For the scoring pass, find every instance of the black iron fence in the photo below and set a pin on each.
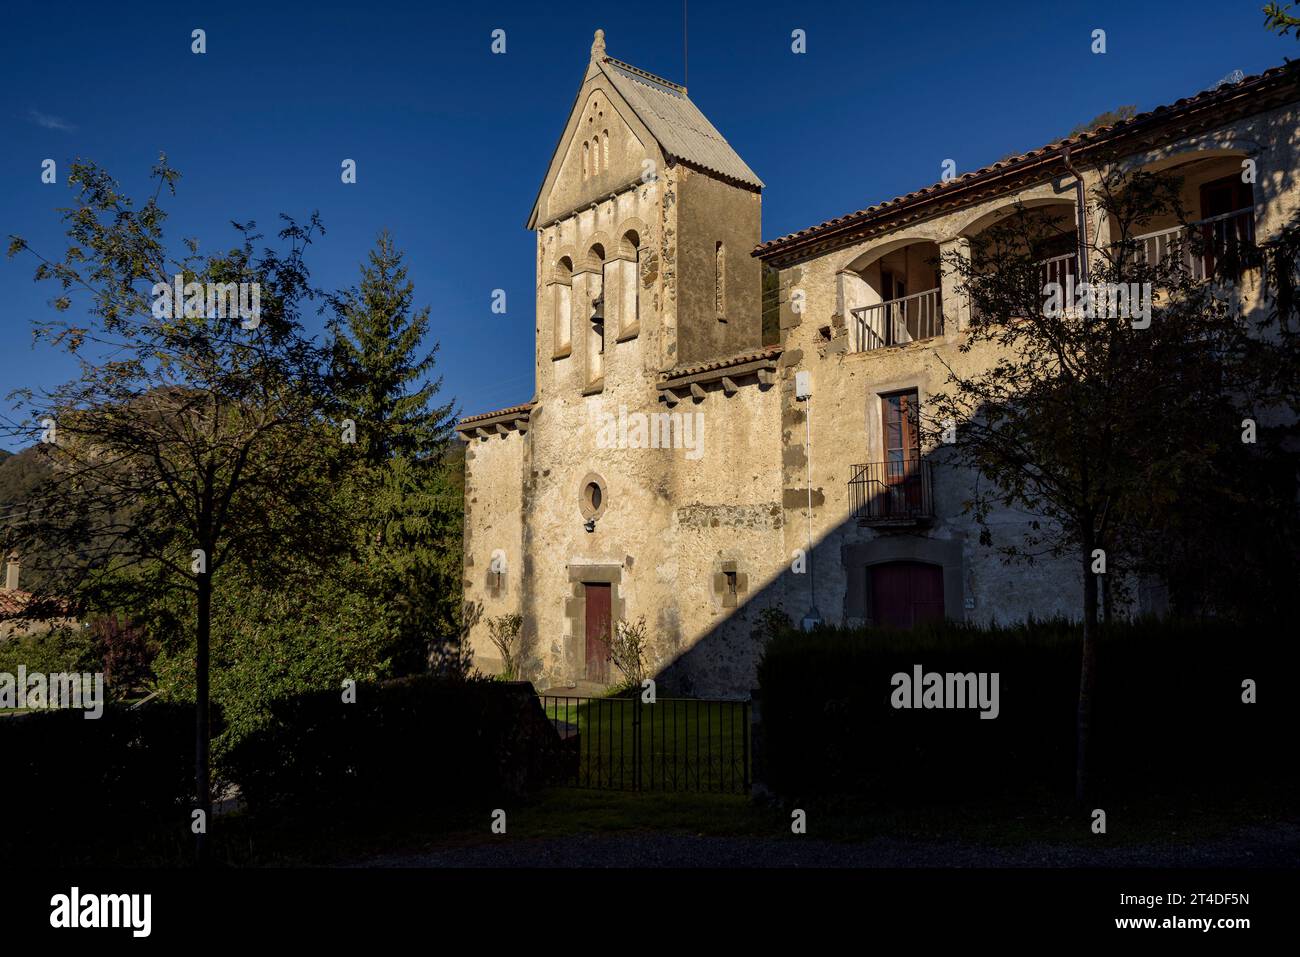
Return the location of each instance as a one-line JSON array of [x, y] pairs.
[[626, 744]]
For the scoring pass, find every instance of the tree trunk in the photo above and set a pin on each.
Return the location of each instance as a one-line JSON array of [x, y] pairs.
[[201, 728], [1107, 597], [1087, 669]]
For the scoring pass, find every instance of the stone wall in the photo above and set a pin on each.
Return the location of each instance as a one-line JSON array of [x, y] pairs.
[[699, 540]]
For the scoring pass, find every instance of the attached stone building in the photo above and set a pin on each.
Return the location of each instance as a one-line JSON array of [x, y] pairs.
[[663, 468]]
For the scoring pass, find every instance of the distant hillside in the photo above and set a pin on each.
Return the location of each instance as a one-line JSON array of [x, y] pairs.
[[19, 474]]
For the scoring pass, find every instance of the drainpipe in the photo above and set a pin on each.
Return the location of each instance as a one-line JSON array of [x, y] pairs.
[[1081, 211], [803, 393]]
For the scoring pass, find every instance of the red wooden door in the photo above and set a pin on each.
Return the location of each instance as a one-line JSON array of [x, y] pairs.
[[1224, 236], [900, 417], [904, 594], [599, 626]]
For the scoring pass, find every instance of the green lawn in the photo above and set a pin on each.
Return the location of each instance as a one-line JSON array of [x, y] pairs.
[[685, 745]]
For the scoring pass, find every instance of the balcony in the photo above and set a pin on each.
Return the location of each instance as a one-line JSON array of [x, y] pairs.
[[1202, 244], [892, 493], [898, 321], [1060, 269]]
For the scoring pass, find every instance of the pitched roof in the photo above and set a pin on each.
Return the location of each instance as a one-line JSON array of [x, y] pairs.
[[13, 601], [683, 132], [1243, 95], [16, 604], [660, 109]]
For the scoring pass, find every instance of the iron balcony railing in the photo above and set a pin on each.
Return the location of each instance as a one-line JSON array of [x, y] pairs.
[[1060, 268], [897, 321], [892, 492], [1217, 239]]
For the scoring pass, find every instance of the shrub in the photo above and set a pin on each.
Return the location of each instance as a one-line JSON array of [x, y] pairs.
[[268, 645], [126, 652], [67, 648], [412, 742], [504, 631], [628, 648], [1168, 710], [70, 782]]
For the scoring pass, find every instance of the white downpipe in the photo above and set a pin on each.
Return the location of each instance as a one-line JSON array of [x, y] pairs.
[[813, 618], [807, 430]]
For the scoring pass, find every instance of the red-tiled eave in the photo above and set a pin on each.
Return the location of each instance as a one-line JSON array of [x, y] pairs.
[[767, 352], [1241, 98], [512, 410]]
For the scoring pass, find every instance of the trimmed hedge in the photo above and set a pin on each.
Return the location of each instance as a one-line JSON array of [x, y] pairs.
[[409, 743], [1168, 711], [70, 781]]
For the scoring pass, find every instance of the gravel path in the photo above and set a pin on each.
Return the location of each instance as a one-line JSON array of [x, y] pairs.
[[1275, 846]]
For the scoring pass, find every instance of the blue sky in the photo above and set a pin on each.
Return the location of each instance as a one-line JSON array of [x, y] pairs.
[[451, 141]]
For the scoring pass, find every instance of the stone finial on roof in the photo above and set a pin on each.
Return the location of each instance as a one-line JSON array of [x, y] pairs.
[[598, 45]]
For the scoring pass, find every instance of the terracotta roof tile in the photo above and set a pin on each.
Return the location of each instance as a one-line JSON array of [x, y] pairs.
[[1081, 139], [767, 352], [13, 602], [526, 407]]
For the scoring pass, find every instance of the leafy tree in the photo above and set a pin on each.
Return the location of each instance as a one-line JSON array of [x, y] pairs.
[[1090, 419], [273, 643], [192, 442]]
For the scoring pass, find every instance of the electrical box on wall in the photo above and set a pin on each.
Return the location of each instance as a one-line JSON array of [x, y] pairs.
[[802, 384]]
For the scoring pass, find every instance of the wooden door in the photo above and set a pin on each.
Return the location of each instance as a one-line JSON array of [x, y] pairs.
[[926, 589], [905, 594], [599, 626], [1224, 236], [900, 420], [1227, 195]]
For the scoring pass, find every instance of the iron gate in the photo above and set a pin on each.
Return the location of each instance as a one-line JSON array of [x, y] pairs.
[[625, 744]]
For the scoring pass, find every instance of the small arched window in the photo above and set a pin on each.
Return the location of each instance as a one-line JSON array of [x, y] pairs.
[[562, 305], [586, 158], [630, 282], [604, 151]]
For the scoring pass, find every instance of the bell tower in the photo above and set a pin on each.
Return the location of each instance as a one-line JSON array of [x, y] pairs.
[[645, 222]]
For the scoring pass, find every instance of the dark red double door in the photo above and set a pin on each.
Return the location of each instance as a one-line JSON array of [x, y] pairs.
[[905, 594]]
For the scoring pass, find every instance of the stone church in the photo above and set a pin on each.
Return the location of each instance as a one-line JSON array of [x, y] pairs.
[[722, 425]]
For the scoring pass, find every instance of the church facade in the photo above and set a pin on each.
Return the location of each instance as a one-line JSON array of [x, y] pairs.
[[722, 425]]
